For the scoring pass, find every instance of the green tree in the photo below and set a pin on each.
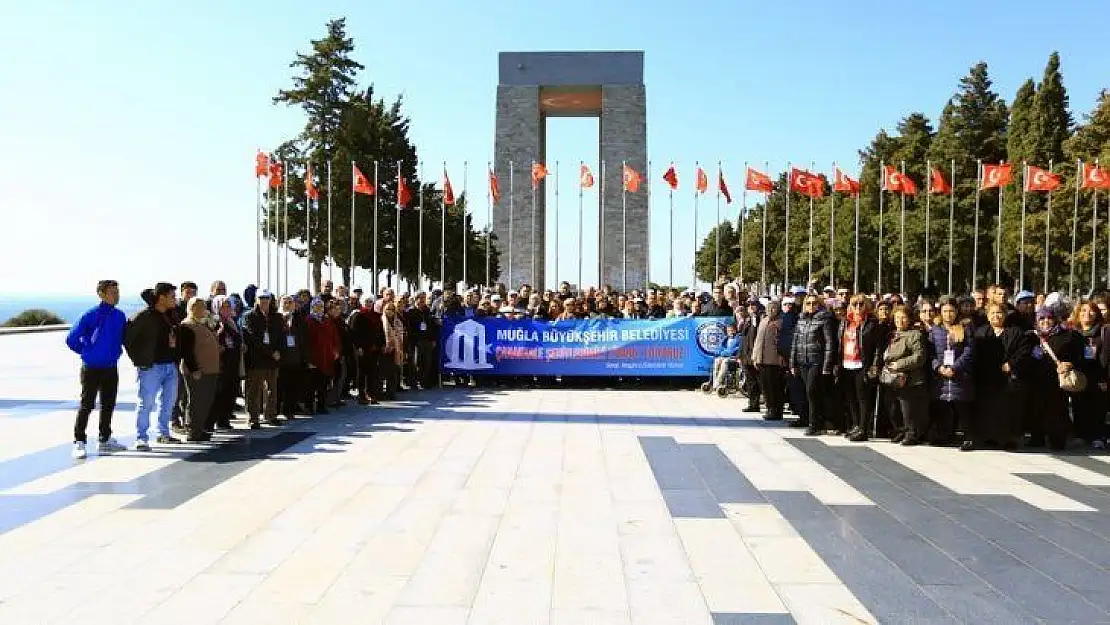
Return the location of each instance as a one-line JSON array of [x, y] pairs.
[[1090, 141], [705, 261], [1052, 121], [1020, 143], [33, 317]]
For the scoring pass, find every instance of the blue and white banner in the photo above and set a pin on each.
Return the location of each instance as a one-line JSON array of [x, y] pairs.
[[587, 347]]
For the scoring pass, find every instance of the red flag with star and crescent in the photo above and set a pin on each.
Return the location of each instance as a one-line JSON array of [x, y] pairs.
[[702, 181], [1094, 177], [539, 172], [803, 182], [360, 183], [631, 179], [671, 177], [1037, 179], [261, 164], [310, 189], [937, 183], [758, 181], [404, 196], [585, 177], [276, 171], [844, 183], [722, 187], [494, 187], [448, 192], [997, 176]]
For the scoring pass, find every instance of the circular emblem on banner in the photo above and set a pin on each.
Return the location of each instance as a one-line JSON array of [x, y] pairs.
[[711, 336]]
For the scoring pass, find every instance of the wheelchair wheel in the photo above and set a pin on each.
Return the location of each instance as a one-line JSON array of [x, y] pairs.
[[722, 392], [706, 387]]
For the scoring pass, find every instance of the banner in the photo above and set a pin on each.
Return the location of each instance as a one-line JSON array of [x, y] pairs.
[[587, 347]]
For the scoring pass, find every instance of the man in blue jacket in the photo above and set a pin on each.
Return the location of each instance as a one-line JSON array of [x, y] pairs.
[[98, 338]]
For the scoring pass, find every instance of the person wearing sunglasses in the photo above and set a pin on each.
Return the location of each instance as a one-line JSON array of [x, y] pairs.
[[812, 358]]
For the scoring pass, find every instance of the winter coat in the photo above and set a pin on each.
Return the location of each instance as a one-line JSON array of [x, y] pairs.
[[1068, 347], [263, 335], [748, 332], [1012, 346], [231, 340], [323, 339], [1094, 345], [815, 341], [871, 336], [367, 332], [765, 351], [294, 355], [961, 387], [786, 334], [906, 355]]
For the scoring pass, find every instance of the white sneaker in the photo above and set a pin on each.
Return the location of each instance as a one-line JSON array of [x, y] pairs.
[[141, 445], [79, 452], [109, 446]]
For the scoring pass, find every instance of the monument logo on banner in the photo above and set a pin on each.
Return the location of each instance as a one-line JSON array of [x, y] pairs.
[[465, 348]]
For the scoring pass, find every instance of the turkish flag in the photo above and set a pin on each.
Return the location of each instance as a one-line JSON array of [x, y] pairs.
[[702, 181], [1037, 179], [997, 176], [404, 196], [803, 182], [632, 179], [671, 176], [722, 187], [310, 189], [585, 178], [261, 164], [937, 183], [448, 192], [539, 172], [892, 180], [845, 183], [758, 181], [494, 187], [276, 170], [359, 182], [909, 187], [1094, 177]]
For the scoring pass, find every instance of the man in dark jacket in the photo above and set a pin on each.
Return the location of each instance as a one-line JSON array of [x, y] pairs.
[[98, 338], [422, 328], [368, 338], [718, 306], [151, 342], [264, 336], [748, 327], [294, 356], [813, 357]]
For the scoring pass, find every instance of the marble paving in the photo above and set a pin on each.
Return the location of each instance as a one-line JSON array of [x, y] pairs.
[[533, 506]]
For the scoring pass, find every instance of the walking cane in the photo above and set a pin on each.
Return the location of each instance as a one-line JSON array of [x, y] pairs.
[[875, 417]]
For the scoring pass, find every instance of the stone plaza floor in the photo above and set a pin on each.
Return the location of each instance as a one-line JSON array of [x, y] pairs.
[[531, 507]]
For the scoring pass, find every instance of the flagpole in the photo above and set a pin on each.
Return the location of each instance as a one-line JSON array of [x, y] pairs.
[[951, 223], [442, 231], [855, 262], [763, 219], [624, 232], [308, 236], [975, 247], [351, 275], [1047, 230], [331, 259], [269, 226], [694, 266], [998, 241], [716, 261], [647, 197], [902, 236], [832, 233], [743, 218], [928, 214], [397, 234], [489, 218], [532, 252], [601, 228], [1074, 227], [557, 226], [670, 277], [285, 228], [374, 281], [277, 232], [510, 285], [465, 228], [882, 202], [1021, 244], [258, 222], [809, 278], [1094, 236], [581, 204], [786, 239]]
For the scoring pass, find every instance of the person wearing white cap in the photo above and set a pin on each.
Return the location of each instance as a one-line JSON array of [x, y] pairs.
[[264, 336]]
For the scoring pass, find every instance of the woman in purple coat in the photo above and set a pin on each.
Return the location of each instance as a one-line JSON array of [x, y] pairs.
[[953, 385]]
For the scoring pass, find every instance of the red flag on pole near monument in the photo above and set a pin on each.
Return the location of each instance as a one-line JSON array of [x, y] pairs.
[[585, 178], [1037, 179], [448, 192], [276, 170], [310, 190], [404, 196], [938, 183], [494, 187], [359, 182], [539, 172], [758, 181], [998, 175], [909, 187], [702, 181], [804, 182], [631, 179], [261, 164], [892, 180], [817, 186], [722, 187], [671, 176], [845, 183], [1094, 177]]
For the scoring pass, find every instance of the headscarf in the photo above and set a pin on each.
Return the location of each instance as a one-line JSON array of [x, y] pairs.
[[287, 298], [218, 304], [1048, 312], [317, 309], [193, 301]]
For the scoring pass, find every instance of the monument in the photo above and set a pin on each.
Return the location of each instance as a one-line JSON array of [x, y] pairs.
[[534, 86]]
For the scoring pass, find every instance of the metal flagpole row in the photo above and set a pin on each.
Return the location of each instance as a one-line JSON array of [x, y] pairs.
[[1094, 237], [269, 226], [601, 230], [420, 226], [277, 232], [670, 257], [951, 224], [647, 199]]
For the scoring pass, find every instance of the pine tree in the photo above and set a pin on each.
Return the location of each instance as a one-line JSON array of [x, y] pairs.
[[1091, 141], [1052, 121], [1020, 141], [915, 136]]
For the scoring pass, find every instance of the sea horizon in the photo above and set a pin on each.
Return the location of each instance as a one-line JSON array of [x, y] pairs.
[[69, 307]]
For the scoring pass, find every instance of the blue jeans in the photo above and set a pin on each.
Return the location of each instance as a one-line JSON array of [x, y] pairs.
[[160, 378]]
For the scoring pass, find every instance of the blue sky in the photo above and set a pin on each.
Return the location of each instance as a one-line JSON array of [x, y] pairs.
[[127, 129]]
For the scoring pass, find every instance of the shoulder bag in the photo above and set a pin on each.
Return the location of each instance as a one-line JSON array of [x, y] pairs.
[[1071, 381]]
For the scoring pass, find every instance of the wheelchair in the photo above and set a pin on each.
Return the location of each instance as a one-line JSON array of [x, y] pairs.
[[736, 381]]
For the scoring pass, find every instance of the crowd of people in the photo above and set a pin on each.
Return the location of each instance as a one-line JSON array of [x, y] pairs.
[[974, 371]]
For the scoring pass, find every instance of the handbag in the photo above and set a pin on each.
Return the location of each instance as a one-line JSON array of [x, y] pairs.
[[892, 379], [1071, 381]]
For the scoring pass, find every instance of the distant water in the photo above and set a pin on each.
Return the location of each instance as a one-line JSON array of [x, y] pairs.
[[69, 308]]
